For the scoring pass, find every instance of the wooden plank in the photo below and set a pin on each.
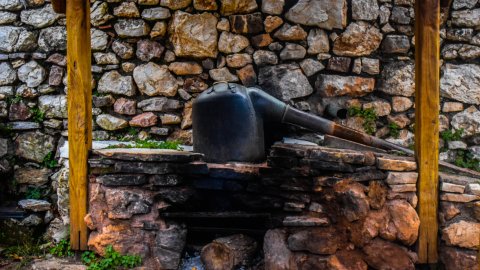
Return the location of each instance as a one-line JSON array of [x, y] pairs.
[[79, 115], [427, 100]]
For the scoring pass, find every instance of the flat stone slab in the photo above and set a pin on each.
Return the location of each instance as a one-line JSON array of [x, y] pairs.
[[145, 154]]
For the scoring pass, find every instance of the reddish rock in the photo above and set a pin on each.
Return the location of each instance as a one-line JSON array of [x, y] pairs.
[[277, 255], [262, 40], [271, 23], [291, 33], [449, 210], [340, 64], [144, 120], [246, 24], [185, 68], [125, 106], [148, 50], [183, 136], [363, 231], [380, 254], [247, 75], [351, 199], [239, 60], [347, 260], [187, 116], [463, 234], [396, 164], [456, 258], [377, 194], [335, 85], [321, 240], [19, 111], [406, 221], [56, 76]]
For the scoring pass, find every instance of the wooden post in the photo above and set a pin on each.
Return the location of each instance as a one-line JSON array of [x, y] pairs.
[[79, 115], [427, 104]]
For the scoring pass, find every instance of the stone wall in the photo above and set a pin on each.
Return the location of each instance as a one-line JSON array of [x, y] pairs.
[[152, 57], [326, 208]]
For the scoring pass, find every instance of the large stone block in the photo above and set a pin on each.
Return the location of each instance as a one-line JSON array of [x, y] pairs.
[[324, 14]]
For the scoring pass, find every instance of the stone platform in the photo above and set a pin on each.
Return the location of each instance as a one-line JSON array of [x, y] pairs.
[[313, 207]]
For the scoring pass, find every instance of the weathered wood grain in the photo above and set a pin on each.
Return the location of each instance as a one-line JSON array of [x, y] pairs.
[[79, 115], [427, 85]]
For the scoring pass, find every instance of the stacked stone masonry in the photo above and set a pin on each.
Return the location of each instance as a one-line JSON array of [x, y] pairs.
[[151, 58], [327, 208]]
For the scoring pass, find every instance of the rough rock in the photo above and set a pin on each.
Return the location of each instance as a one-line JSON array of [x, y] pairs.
[[194, 35], [405, 220], [56, 76], [114, 83], [16, 39], [159, 104], [246, 24], [147, 119], [398, 78], [127, 10], [34, 205], [32, 176], [125, 106], [293, 51], [175, 4], [128, 28], [7, 17], [401, 104], [53, 106], [456, 258], [358, 39], [381, 254], [238, 60], [400, 15], [461, 82], [318, 240], [290, 33], [468, 120], [310, 66], [99, 13], [247, 75], [365, 10], [158, 13], [463, 234], [110, 122], [340, 64], [271, 23], [352, 200], [57, 231], [185, 68], [229, 7], [53, 39], [285, 81], [99, 39], [154, 80], [122, 49], [8, 75], [148, 50], [263, 57], [459, 4], [205, 4], [222, 74], [159, 30], [34, 146], [396, 44], [11, 5], [32, 74], [324, 14], [335, 85], [318, 41], [466, 18], [232, 43], [381, 107], [39, 18], [273, 7], [277, 254]]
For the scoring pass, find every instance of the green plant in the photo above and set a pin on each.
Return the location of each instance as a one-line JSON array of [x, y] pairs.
[[62, 249], [24, 252], [5, 130], [49, 161], [110, 261], [174, 145], [369, 115], [467, 160], [132, 131], [34, 193], [37, 115], [451, 135], [15, 99], [394, 130]]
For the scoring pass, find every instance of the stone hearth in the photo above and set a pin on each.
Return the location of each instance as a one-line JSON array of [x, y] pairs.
[[313, 207]]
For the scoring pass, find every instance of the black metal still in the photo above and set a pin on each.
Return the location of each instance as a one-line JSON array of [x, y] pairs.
[[228, 122]]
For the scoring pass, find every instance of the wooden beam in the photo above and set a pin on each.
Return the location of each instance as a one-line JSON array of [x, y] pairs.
[[427, 100], [79, 115]]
